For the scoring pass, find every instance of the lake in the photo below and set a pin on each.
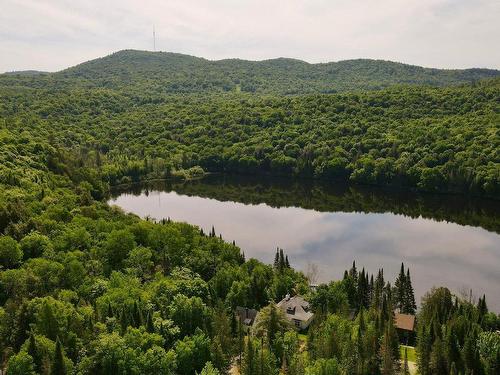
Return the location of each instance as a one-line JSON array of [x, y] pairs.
[[446, 240]]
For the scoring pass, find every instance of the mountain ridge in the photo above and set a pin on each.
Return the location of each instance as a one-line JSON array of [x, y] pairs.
[[281, 58], [169, 72]]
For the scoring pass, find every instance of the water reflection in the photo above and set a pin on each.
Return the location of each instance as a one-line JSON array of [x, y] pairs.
[[444, 239]]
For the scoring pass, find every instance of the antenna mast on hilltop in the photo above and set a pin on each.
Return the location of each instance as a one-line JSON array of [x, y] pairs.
[[154, 39]]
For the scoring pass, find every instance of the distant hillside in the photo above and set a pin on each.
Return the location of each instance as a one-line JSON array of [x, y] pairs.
[[164, 72], [26, 73]]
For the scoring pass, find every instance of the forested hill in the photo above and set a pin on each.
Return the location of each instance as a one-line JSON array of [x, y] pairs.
[[164, 72]]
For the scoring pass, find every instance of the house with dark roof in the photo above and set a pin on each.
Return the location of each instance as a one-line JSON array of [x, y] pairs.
[[246, 315], [297, 310]]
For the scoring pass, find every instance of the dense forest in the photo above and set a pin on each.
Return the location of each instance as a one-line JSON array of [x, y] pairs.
[[163, 72], [430, 139], [88, 289]]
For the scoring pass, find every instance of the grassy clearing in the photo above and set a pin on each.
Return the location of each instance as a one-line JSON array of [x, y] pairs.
[[412, 356]]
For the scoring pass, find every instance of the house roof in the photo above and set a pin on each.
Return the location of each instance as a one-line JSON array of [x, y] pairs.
[[405, 321], [296, 308], [246, 315]]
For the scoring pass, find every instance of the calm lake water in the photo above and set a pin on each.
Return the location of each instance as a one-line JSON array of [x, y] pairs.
[[445, 240]]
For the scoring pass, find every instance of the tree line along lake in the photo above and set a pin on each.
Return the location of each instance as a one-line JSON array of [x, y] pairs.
[[445, 240]]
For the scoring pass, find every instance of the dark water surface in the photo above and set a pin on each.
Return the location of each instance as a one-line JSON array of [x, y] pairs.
[[445, 240]]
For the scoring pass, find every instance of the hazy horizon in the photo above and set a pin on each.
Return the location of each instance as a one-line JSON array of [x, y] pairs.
[[53, 35]]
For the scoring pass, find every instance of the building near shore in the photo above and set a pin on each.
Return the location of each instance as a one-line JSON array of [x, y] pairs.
[[297, 310]]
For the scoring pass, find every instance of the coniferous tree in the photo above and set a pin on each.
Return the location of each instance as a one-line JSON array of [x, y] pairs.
[[371, 290], [149, 323], [482, 307], [410, 305], [58, 367], [360, 345], [249, 365], [137, 315], [400, 289], [124, 322], [362, 290], [110, 311], [378, 289], [389, 297], [277, 259], [424, 346], [354, 273], [32, 350], [438, 365], [281, 260], [388, 361], [470, 354], [234, 325], [451, 345]]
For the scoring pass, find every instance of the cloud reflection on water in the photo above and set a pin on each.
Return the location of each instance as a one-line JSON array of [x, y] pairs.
[[438, 253]]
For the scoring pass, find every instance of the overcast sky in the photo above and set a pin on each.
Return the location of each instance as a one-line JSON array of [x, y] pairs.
[[52, 35]]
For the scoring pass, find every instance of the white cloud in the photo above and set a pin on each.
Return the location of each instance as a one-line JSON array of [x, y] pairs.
[[51, 35]]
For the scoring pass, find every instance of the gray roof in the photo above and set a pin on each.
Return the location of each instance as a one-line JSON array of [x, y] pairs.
[[246, 315], [296, 308]]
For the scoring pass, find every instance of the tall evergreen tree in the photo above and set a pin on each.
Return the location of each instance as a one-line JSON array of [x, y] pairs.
[[371, 287], [438, 365], [109, 314], [410, 305], [277, 259], [58, 367], [353, 272], [281, 260], [362, 290], [34, 353], [137, 315], [388, 361], [149, 323], [481, 306], [378, 289], [424, 346], [249, 366], [124, 322], [400, 289]]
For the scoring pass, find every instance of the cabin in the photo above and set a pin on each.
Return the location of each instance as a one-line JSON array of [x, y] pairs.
[[405, 325], [246, 316], [297, 310]]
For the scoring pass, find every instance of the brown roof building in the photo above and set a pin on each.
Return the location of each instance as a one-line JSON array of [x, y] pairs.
[[405, 322]]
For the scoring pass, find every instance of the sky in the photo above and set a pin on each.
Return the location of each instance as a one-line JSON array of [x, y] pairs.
[[52, 35]]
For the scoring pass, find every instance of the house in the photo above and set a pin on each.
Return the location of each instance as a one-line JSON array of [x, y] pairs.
[[405, 325], [297, 310], [246, 315]]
